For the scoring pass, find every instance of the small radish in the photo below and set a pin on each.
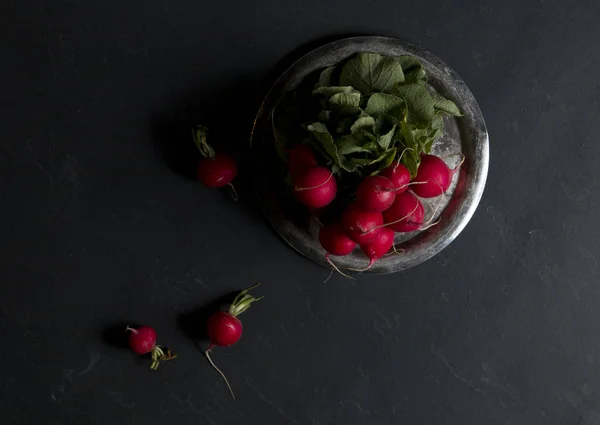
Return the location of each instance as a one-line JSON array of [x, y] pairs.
[[360, 225], [335, 241], [224, 328], [315, 187], [217, 169], [143, 341], [399, 175], [301, 157], [406, 213], [433, 177], [378, 247], [375, 194]]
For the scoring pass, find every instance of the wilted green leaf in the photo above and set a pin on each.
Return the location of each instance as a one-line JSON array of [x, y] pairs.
[[326, 76], [413, 70], [330, 91], [382, 103], [364, 122], [442, 104], [341, 100], [385, 140], [418, 102], [412, 157], [325, 141], [371, 72], [324, 115]]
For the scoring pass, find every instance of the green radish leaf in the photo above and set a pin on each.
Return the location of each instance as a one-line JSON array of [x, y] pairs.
[[388, 158], [412, 157], [364, 122], [446, 106], [413, 70], [331, 91], [324, 115], [324, 141], [371, 72], [418, 102], [349, 144], [348, 100], [382, 103], [344, 124], [326, 76], [385, 140]]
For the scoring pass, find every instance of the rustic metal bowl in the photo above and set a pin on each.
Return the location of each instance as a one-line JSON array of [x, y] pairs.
[[467, 135]]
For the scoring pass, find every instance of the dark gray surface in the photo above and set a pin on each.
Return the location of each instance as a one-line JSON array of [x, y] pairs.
[[98, 228]]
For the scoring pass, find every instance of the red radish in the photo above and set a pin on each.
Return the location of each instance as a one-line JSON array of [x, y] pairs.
[[315, 187], [224, 328], [375, 194], [360, 225], [301, 157], [217, 169], [378, 247], [399, 175], [335, 241], [433, 177], [406, 213], [143, 341]]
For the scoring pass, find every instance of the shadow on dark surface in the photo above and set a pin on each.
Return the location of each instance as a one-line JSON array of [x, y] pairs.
[[229, 112], [115, 334], [193, 322]]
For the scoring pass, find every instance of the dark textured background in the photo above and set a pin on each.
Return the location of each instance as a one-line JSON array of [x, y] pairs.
[[100, 225]]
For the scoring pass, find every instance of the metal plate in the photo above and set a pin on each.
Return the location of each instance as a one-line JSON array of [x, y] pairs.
[[466, 135]]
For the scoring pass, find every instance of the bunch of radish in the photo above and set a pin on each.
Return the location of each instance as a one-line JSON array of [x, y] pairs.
[[215, 169], [383, 206]]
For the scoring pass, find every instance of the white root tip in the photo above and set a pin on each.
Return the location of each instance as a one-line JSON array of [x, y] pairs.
[[207, 354]]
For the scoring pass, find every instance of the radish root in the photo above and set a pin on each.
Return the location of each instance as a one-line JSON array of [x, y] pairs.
[[234, 194], [396, 251], [336, 267], [392, 222], [462, 161], [207, 354], [371, 262]]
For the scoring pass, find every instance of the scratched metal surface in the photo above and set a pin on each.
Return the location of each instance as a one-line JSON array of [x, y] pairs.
[[467, 135]]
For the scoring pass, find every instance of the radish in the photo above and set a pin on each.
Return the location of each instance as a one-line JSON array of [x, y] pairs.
[[143, 341], [360, 225], [315, 187], [399, 175], [375, 194], [378, 247], [224, 328], [406, 213], [301, 157], [217, 169], [433, 177], [335, 241]]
